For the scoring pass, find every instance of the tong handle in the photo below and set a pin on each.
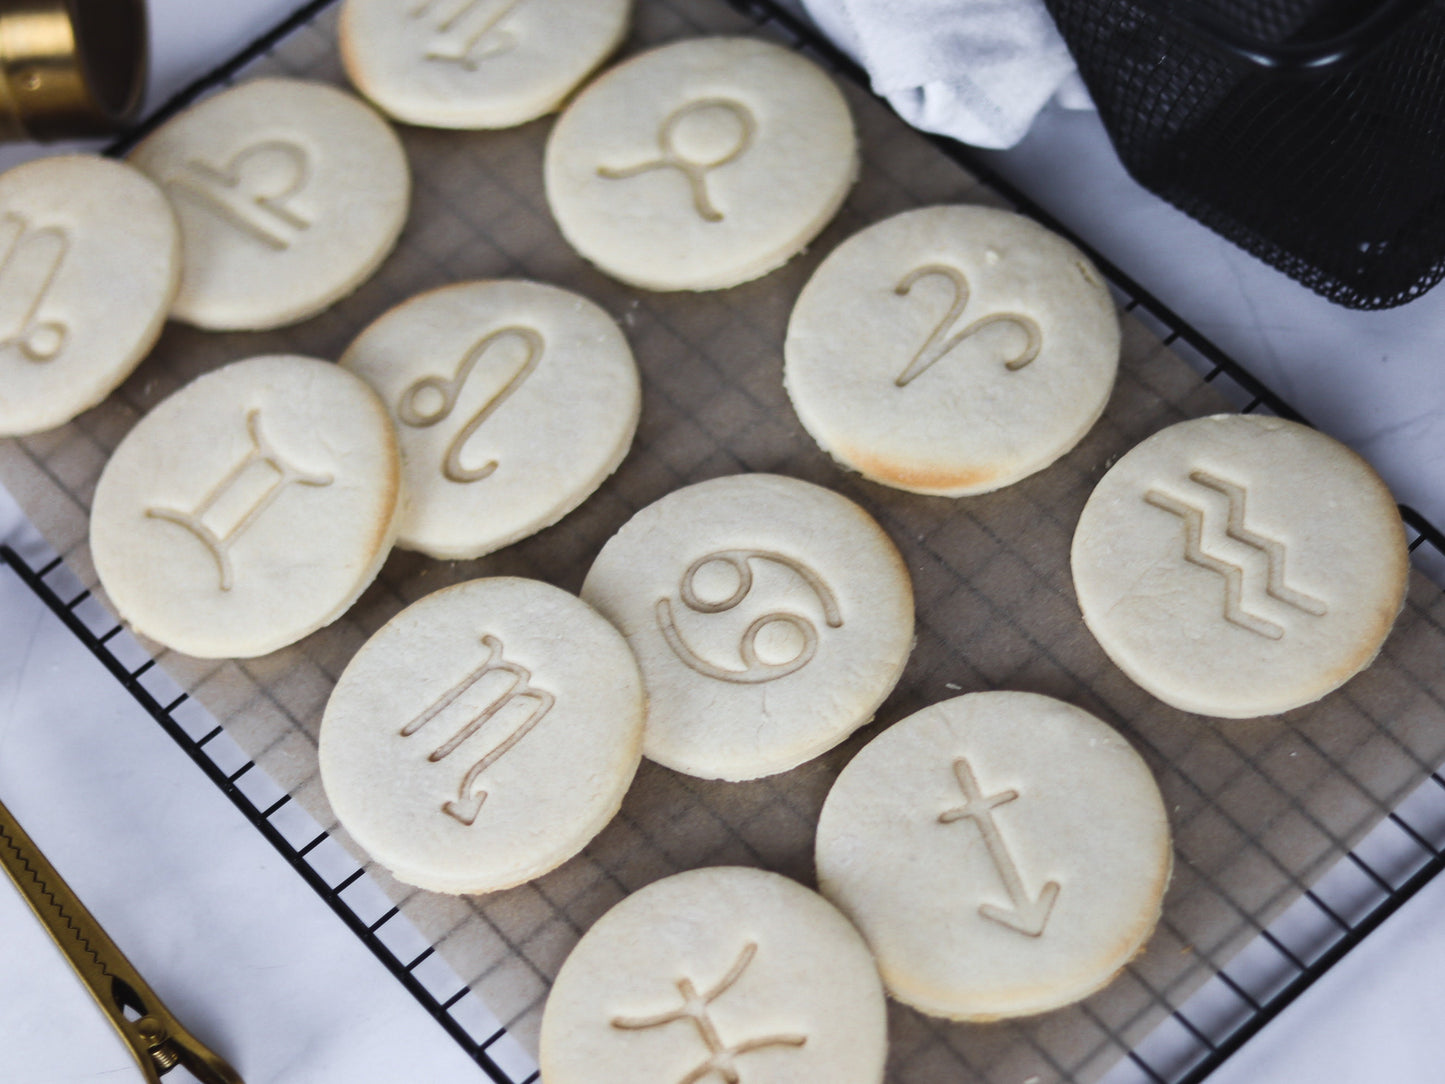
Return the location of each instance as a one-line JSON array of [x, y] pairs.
[[156, 1038]]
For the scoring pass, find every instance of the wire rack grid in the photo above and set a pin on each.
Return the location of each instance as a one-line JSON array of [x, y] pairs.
[[1253, 837]]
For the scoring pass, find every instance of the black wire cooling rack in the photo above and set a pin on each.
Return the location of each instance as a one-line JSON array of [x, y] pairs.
[[1286, 959]]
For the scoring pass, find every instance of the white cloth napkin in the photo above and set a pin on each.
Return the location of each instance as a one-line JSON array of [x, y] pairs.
[[976, 70]]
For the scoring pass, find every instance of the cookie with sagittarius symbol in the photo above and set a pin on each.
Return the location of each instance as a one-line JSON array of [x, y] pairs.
[[1003, 853], [248, 509], [483, 735], [475, 63], [717, 974], [701, 164], [1240, 565], [951, 350], [770, 618], [89, 262], [512, 402], [289, 195]]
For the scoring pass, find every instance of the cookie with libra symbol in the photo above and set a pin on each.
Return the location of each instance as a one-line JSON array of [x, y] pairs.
[[951, 350], [725, 974], [475, 63], [89, 262], [483, 735], [770, 617], [248, 509], [289, 195], [513, 401], [1003, 854], [1240, 565], [701, 164]]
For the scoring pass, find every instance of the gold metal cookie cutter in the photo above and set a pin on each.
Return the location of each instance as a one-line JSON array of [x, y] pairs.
[[156, 1038], [70, 68]]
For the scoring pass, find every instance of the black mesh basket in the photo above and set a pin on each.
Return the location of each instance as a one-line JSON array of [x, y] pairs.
[[1309, 132]]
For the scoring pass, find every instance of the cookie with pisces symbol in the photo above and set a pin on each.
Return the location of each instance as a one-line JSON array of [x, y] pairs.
[[513, 401], [89, 263], [475, 63], [1240, 565], [1003, 854], [289, 195], [722, 973], [483, 735], [701, 164], [770, 617], [951, 350], [248, 509]]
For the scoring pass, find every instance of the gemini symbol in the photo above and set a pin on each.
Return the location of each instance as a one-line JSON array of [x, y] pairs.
[[220, 543], [518, 687]]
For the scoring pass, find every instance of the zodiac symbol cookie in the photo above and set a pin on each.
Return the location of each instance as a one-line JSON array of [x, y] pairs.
[[679, 169], [1240, 565], [770, 618], [1003, 854], [483, 735]]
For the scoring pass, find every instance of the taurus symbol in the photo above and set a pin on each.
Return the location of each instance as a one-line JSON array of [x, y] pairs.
[[694, 170]]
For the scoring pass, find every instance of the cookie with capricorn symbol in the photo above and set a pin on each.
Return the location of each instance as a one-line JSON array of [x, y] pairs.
[[770, 618], [249, 508], [1240, 565], [513, 401], [483, 735], [951, 350], [724, 973], [701, 164], [1003, 854]]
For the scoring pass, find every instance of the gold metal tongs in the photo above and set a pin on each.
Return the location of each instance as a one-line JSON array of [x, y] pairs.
[[155, 1037]]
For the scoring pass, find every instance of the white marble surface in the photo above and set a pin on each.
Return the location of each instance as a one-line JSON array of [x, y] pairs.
[[243, 949]]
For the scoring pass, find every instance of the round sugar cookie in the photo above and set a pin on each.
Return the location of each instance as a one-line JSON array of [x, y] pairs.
[[1240, 565], [1003, 854], [483, 735], [512, 402], [89, 262], [723, 973], [289, 195], [702, 164], [248, 509], [475, 63], [770, 617], [951, 350]]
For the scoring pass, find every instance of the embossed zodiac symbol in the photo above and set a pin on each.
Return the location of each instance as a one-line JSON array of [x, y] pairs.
[[27, 272], [252, 191], [519, 687], [450, 389], [695, 1007], [695, 170], [220, 544], [1232, 573], [461, 38], [1028, 915], [936, 345], [756, 671]]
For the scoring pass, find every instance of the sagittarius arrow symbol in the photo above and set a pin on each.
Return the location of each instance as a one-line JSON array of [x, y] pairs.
[[1025, 914]]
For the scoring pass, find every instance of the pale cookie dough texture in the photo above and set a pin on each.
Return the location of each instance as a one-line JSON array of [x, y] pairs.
[[1003, 853], [770, 617], [512, 402], [951, 350], [720, 974], [248, 509], [483, 735], [475, 63], [701, 164], [89, 262], [289, 195], [1240, 565]]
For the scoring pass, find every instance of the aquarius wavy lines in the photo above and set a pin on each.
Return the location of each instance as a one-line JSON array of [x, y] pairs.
[[1234, 574], [56, 906]]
